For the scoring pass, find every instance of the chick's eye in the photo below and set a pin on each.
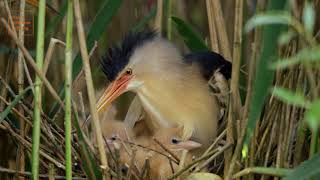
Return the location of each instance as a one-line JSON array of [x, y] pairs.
[[114, 137], [129, 71], [175, 141]]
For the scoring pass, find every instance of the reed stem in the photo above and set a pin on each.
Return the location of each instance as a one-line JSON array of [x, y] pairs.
[[169, 20], [158, 20], [212, 27], [37, 91], [314, 143], [68, 85]]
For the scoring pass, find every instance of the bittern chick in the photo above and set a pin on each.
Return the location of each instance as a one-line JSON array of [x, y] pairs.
[[173, 89], [160, 166]]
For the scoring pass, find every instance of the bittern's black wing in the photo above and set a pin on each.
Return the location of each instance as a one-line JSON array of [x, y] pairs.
[[209, 62]]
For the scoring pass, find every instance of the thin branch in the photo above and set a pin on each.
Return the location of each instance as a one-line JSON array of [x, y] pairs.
[[28, 145], [186, 168], [150, 149], [28, 174], [279, 172], [167, 150]]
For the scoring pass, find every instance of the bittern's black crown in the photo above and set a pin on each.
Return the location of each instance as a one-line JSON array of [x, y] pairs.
[[118, 56]]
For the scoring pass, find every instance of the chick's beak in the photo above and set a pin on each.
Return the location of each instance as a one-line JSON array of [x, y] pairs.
[[115, 89], [188, 145]]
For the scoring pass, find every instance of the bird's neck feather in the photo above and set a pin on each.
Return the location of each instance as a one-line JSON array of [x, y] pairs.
[[180, 102]]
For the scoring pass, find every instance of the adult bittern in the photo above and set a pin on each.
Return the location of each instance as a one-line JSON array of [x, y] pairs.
[[172, 88]]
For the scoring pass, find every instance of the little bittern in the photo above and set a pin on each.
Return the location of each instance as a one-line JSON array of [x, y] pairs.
[[173, 89]]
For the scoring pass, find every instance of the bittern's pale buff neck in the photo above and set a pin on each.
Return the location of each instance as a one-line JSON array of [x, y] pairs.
[[173, 92]]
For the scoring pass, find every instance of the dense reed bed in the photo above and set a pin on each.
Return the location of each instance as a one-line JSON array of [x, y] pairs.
[[50, 80]]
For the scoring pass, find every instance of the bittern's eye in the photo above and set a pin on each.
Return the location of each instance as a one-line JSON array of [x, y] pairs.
[[175, 141], [129, 71]]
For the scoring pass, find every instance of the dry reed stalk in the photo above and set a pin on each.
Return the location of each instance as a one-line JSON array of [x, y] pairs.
[[52, 172], [212, 27], [32, 63], [261, 4], [268, 151], [47, 140], [294, 118], [234, 103], [10, 63], [300, 142], [82, 146], [169, 20], [4, 91], [11, 22], [182, 161], [236, 62], [28, 174], [214, 144], [288, 119], [83, 113], [46, 131], [91, 93], [301, 128], [279, 155], [28, 145], [51, 47], [132, 162], [252, 150], [216, 141], [158, 21], [205, 164], [21, 154], [167, 150], [117, 160], [21, 19], [187, 167], [26, 70], [18, 112], [81, 73], [151, 149], [263, 139], [145, 169], [222, 32], [278, 172]]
